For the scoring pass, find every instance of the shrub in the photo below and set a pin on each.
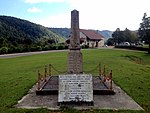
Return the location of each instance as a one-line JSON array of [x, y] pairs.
[[45, 48], [84, 46], [33, 48], [4, 50], [132, 48], [26, 49], [61, 46], [38, 48]]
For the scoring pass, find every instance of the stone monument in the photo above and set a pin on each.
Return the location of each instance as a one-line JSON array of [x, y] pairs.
[[75, 87], [74, 54]]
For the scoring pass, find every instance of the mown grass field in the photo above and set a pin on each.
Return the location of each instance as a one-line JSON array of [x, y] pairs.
[[131, 71]]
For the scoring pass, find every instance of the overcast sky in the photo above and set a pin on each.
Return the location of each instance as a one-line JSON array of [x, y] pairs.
[[93, 14]]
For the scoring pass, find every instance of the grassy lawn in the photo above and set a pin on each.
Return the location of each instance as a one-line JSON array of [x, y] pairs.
[[131, 71]]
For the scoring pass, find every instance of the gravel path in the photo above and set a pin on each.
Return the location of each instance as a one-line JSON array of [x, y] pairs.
[[28, 53], [44, 52]]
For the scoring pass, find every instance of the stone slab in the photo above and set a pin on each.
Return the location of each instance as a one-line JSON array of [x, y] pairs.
[[75, 88], [119, 101]]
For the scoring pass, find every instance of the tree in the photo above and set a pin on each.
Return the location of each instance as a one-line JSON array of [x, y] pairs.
[[116, 36], [127, 35], [124, 36], [144, 30], [134, 36], [110, 42]]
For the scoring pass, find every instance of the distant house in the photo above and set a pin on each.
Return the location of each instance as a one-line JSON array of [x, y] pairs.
[[90, 38]]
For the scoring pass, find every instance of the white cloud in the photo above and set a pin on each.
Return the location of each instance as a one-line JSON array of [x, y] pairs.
[[42, 1], [34, 10], [60, 20], [99, 14], [110, 14]]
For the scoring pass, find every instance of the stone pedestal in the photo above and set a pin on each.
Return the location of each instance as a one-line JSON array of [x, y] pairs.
[[75, 62]]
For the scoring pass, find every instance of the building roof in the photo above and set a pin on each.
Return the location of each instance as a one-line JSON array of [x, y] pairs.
[[91, 34]]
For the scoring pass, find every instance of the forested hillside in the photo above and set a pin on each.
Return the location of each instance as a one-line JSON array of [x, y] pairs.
[[106, 33], [63, 32], [17, 35]]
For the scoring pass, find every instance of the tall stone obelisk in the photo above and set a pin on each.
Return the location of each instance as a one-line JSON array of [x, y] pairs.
[[74, 54]]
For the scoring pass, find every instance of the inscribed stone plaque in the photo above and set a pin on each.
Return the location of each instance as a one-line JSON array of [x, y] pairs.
[[77, 88]]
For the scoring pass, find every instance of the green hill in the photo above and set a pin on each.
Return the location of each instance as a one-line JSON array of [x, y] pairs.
[[16, 33], [106, 33], [65, 32]]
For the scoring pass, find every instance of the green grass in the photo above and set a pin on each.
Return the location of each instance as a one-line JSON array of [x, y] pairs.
[[131, 71]]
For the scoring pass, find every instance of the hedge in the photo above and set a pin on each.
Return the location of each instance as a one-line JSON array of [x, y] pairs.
[[132, 48]]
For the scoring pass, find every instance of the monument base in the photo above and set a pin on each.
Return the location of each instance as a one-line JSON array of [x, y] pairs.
[[72, 103], [51, 87]]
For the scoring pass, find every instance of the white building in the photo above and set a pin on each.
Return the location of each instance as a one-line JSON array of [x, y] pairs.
[[91, 38]]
